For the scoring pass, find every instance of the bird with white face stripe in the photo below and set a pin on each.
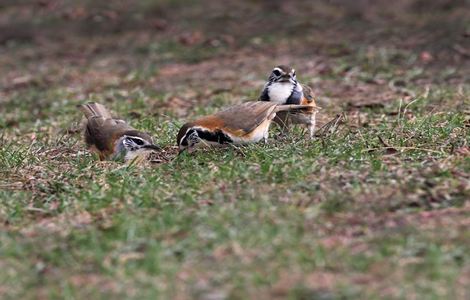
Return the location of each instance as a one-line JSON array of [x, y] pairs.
[[244, 123], [113, 138], [283, 88]]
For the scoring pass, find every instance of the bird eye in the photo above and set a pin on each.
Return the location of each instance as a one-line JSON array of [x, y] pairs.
[[277, 73], [138, 142]]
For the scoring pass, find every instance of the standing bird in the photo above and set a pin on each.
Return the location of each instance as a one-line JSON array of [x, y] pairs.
[[113, 138], [283, 88], [240, 124]]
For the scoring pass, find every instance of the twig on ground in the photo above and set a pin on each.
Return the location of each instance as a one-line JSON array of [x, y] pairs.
[[402, 148]]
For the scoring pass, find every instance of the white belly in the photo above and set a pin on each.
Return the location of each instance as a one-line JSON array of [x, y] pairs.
[[255, 136], [261, 132], [279, 92]]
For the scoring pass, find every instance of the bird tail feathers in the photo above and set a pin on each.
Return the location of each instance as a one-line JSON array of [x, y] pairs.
[[93, 109], [295, 108]]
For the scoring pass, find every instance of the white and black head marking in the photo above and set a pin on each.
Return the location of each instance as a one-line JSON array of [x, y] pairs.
[[135, 144], [283, 74], [190, 136], [132, 143], [282, 87]]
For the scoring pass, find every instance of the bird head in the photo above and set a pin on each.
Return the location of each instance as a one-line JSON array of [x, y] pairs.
[[283, 74], [188, 138], [134, 144]]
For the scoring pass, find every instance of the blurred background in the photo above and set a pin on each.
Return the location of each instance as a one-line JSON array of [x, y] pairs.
[[351, 52]]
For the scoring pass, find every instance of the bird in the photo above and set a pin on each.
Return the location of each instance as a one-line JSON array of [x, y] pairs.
[[282, 87], [111, 138], [244, 123]]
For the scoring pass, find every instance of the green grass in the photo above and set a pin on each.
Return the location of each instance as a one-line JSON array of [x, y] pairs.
[[236, 219]]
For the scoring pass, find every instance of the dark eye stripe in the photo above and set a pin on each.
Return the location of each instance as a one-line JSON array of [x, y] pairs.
[[136, 140]]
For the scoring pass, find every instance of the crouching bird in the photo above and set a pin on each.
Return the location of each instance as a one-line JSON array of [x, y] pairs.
[[240, 124], [113, 138], [283, 88]]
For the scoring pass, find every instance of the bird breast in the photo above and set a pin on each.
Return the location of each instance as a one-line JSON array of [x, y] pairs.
[[279, 92]]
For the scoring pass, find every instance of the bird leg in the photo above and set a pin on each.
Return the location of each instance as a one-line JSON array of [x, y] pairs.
[[311, 127], [265, 138]]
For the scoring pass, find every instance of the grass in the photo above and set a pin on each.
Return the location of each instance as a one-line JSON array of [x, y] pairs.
[[220, 222], [377, 209]]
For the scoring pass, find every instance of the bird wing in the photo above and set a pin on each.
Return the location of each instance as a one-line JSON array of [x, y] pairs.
[[246, 116], [309, 97], [101, 129], [103, 132]]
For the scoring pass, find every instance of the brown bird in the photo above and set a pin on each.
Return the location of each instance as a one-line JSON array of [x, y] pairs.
[[283, 88], [240, 124], [113, 138]]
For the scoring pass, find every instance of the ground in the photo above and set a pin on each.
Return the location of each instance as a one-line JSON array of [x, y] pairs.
[[373, 208]]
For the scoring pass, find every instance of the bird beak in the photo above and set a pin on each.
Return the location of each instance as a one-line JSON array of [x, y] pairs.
[[152, 147], [285, 78]]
